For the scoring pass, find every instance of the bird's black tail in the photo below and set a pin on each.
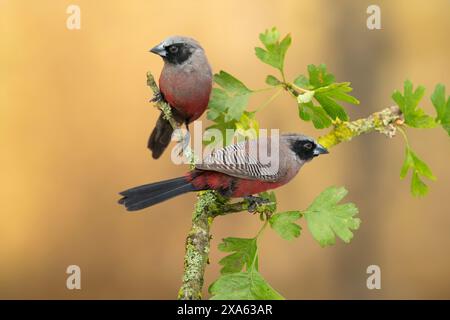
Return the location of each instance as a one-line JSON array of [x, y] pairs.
[[160, 137], [147, 195]]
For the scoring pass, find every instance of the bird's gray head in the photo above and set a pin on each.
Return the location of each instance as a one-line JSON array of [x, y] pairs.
[[306, 148], [176, 49]]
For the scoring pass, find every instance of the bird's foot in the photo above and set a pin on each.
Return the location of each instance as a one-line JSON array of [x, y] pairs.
[[184, 140], [157, 97], [254, 202]]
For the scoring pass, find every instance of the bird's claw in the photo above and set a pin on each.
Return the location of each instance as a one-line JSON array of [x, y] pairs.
[[157, 97], [254, 202], [184, 140]]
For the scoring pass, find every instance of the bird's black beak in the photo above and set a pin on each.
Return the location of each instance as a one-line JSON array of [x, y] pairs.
[[159, 50], [320, 150]]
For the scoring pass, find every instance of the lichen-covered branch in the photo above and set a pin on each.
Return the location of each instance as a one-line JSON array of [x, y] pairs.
[[210, 204], [159, 102], [384, 121]]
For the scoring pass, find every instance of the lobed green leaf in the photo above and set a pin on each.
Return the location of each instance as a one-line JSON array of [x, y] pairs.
[[327, 219], [274, 50], [309, 112], [243, 254], [419, 168], [230, 100], [442, 107], [408, 103], [322, 86], [283, 224], [248, 285]]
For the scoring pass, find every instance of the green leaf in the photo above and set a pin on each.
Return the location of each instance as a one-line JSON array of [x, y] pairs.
[[302, 82], [339, 91], [246, 122], [408, 104], [325, 217], [419, 168], [326, 92], [230, 100], [309, 112], [442, 107], [418, 187], [243, 254], [283, 224], [331, 107], [272, 81], [274, 50], [319, 77], [249, 285]]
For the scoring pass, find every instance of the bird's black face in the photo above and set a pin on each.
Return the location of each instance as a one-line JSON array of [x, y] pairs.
[[175, 53], [307, 149]]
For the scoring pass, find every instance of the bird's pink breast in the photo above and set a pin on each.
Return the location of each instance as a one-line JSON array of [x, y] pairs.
[[187, 92]]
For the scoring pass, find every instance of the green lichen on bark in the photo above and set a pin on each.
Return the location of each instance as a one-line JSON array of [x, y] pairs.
[[209, 205], [162, 105], [384, 122], [197, 252]]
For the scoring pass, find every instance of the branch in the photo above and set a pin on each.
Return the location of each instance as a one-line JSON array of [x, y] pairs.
[[384, 122], [210, 204], [159, 101]]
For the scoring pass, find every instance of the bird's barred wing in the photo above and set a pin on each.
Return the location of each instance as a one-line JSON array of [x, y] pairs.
[[242, 160]]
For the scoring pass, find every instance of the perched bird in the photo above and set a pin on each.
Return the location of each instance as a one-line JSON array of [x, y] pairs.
[[233, 171], [185, 83]]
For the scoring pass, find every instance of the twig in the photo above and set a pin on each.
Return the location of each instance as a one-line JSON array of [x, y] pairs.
[[161, 104]]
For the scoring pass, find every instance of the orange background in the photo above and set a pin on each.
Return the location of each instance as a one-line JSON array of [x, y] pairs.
[[74, 122]]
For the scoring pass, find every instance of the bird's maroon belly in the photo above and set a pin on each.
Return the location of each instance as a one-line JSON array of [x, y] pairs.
[[233, 186], [249, 187], [188, 93]]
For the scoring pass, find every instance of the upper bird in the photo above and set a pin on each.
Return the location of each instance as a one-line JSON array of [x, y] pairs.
[[234, 171], [185, 83]]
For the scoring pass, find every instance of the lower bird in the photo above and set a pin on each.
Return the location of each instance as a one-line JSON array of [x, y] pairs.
[[234, 171]]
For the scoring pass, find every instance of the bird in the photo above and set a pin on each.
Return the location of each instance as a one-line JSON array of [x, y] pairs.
[[235, 171], [185, 84]]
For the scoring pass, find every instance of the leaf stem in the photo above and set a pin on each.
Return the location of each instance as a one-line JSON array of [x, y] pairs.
[[299, 88], [270, 100], [266, 222], [263, 89], [261, 230], [405, 137]]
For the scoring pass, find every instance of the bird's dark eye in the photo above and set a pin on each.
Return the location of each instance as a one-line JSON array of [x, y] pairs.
[[308, 146], [173, 49]]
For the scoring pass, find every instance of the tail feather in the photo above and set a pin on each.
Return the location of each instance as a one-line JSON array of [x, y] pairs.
[[150, 194], [156, 186], [160, 137]]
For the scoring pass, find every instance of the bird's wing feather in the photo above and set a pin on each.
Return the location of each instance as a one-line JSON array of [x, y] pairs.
[[236, 160]]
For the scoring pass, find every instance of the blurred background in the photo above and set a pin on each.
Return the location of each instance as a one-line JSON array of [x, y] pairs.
[[75, 118]]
